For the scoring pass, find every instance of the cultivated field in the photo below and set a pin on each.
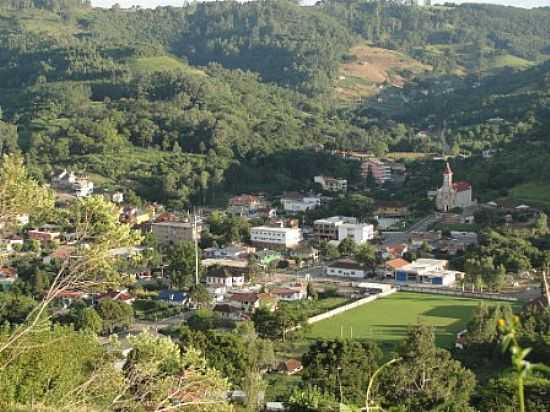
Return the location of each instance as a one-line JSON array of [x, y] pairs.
[[372, 67], [386, 320]]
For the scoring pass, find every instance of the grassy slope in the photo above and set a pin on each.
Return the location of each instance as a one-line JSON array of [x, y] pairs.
[[161, 63], [533, 192], [372, 67], [387, 320]]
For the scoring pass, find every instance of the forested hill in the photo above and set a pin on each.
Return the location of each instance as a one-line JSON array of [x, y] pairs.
[[188, 104], [110, 93], [468, 37]]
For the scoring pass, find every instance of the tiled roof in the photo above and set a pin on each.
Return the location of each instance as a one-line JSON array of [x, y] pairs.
[[291, 365], [7, 272], [461, 186], [346, 264], [397, 263]]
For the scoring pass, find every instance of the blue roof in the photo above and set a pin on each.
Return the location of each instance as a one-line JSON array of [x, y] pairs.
[[172, 295]]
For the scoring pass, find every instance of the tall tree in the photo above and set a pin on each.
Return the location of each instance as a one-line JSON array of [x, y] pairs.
[[181, 264], [426, 378], [341, 368], [19, 193]]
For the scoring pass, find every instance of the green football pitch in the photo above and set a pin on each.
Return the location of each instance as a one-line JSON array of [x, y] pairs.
[[387, 319]]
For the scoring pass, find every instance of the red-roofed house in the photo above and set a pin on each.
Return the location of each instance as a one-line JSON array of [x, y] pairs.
[[392, 265], [43, 235], [8, 275], [289, 294], [245, 205], [397, 250], [290, 366], [249, 302], [121, 296]]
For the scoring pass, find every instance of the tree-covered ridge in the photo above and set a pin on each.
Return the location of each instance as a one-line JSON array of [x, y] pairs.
[[287, 44], [447, 36], [53, 5]]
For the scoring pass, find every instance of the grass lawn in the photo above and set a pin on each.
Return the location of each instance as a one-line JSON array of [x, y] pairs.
[[387, 320], [162, 64], [534, 192], [508, 60]]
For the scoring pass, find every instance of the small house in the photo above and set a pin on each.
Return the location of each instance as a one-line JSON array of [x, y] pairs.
[[290, 367], [289, 294], [118, 295], [218, 276], [250, 301], [8, 276], [228, 312], [348, 268]]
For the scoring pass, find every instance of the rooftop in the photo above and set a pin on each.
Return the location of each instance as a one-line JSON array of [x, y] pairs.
[[174, 224], [421, 265], [462, 186], [335, 219], [397, 263], [345, 264], [275, 229], [230, 263]]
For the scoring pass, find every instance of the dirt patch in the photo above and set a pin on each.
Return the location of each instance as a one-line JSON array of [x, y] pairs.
[[373, 67]]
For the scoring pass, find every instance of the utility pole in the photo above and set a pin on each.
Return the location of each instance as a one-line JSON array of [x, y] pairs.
[[546, 290], [196, 241]]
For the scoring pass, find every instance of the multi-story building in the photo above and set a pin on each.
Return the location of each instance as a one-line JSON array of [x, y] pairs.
[[173, 232], [358, 232], [380, 170], [298, 202], [340, 227], [327, 229], [275, 237], [331, 184]]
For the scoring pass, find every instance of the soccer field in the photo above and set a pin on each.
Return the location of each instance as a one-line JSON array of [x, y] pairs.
[[387, 320]]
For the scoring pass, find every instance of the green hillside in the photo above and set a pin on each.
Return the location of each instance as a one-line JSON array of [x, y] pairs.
[[252, 84]]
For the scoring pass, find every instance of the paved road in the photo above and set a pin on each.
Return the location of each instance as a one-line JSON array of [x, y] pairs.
[[392, 238]]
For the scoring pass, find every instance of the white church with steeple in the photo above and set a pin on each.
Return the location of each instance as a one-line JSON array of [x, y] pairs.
[[453, 194]]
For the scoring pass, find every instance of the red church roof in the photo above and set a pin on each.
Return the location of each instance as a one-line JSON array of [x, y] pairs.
[[462, 186]]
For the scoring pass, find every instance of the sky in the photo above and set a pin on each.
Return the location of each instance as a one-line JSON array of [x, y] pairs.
[[155, 3]]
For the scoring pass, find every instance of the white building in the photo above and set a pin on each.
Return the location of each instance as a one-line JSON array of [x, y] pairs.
[[275, 237], [347, 268], [118, 197], [224, 279], [229, 252], [289, 294], [83, 187], [339, 228], [296, 202], [332, 184], [453, 194], [358, 232], [427, 271]]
